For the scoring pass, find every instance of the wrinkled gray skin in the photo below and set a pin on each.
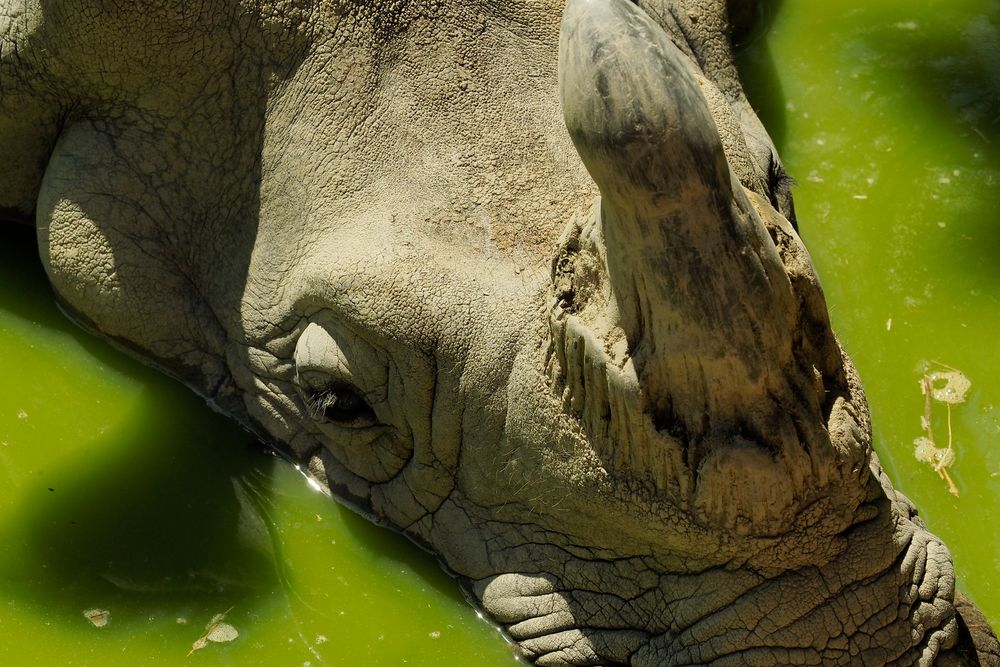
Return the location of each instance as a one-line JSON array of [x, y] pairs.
[[603, 390]]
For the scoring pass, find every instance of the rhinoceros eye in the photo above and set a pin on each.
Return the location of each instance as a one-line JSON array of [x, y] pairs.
[[341, 404]]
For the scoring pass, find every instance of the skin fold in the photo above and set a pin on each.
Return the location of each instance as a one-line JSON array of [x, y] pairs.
[[518, 279]]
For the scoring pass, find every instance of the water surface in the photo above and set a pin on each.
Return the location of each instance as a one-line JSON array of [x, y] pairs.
[[888, 115], [121, 492]]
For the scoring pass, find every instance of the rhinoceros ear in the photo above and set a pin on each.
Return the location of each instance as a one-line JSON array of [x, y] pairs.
[[701, 293]]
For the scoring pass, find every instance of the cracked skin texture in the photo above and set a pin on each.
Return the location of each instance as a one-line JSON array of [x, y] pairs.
[[592, 370]]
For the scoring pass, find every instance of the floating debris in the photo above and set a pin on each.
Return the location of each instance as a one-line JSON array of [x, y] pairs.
[[951, 387], [924, 450], [99, 617], [217, 631]]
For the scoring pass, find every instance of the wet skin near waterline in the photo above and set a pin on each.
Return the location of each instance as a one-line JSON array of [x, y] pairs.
[[889, 259]]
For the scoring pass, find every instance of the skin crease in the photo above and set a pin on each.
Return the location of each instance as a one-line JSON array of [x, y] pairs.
[[295, 206]]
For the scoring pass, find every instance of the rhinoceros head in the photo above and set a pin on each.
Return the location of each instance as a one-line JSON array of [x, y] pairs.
[[603, 390]]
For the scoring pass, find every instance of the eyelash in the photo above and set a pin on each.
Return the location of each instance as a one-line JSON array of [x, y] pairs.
[[340, 404]]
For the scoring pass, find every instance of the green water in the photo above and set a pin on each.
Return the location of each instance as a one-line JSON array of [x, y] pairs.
[[888, 115], [119, 491]]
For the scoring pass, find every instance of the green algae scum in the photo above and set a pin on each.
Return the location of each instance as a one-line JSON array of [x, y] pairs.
[[888, 115], [138, 527]]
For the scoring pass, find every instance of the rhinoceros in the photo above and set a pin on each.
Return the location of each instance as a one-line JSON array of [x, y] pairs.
[[518, 279]]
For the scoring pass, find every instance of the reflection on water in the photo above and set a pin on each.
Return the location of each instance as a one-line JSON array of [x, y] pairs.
[[149, 511]]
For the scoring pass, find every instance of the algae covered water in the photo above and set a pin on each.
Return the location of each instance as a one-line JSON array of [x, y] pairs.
[[131, 517], [134, 522], [888, 115]]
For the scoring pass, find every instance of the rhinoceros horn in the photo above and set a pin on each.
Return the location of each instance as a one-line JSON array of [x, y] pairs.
[[723, 321], [700, 289]]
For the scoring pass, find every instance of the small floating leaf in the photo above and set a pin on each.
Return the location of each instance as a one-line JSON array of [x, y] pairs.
[[215, 631], [99, 617], [222, 632], [949, 386]]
